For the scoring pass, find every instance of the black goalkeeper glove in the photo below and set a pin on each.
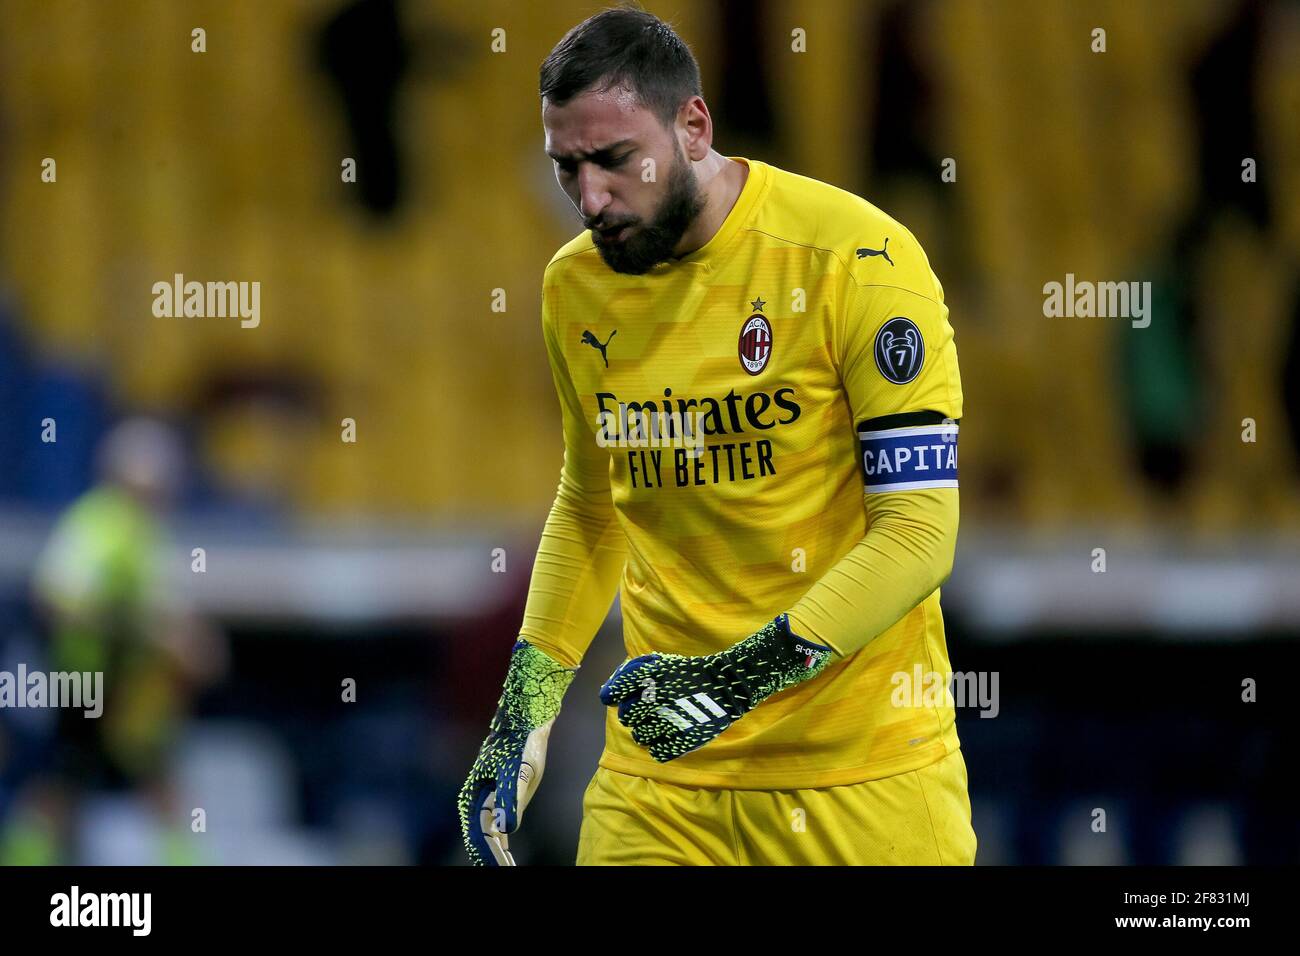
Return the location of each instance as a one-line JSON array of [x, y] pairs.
[[509, 765], [675, 704]]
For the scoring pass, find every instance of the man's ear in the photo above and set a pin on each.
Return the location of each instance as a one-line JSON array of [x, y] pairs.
[[698, 128]]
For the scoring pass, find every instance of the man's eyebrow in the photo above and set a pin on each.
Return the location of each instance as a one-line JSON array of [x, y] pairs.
[[593, 154]]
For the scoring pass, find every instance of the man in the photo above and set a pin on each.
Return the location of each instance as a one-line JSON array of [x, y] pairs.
[[760, 393], [113, 607]]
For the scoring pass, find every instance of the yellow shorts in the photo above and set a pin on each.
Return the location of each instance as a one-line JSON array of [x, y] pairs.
[[921, 817]]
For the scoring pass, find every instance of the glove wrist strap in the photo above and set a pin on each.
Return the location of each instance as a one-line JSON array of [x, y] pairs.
[[773, 659]]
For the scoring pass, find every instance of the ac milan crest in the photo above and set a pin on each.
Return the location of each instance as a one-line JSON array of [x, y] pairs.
[[755, 343]]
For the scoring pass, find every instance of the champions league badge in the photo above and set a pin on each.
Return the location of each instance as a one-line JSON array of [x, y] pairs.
[[900, 350]]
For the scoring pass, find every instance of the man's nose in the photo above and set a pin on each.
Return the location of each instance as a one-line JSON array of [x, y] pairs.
[[593, 196]]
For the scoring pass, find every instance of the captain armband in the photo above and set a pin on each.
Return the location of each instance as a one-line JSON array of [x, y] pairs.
[[908, 452]]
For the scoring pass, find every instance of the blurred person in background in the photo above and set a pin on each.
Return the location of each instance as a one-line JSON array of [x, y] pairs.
[[112, 605]]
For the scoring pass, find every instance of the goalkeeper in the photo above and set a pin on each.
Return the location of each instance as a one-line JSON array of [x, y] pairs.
[[760, 398]]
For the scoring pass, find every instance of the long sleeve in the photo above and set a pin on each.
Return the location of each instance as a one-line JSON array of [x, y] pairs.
[[898, 366], [905, 555], [582, 551]]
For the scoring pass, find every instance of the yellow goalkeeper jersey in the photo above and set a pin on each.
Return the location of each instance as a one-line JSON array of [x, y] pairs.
[[736, 421]]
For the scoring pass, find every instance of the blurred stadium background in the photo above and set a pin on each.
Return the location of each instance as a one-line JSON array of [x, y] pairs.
[[377, 561]]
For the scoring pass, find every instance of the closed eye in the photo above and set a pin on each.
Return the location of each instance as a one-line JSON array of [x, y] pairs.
[[568, 167]]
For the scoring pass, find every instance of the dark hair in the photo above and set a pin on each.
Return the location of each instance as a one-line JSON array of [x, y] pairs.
[[623, 46]]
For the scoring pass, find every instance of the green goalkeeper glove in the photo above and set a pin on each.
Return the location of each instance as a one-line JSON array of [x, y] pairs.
[[509, 765], [675, 704]]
